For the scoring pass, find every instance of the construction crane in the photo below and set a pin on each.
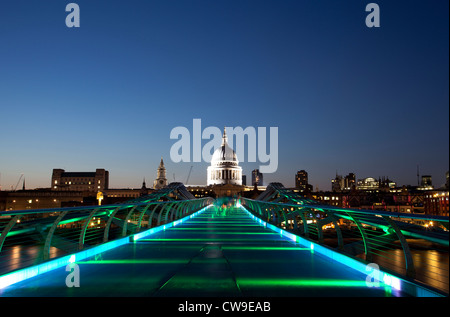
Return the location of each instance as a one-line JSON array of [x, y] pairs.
[[21, 175], [189, 175]]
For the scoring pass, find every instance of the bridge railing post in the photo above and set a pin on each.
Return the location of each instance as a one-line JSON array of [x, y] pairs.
[[364, 236], [108, 223], [125, 221], [141, 216], [410, 270], [84, 227], [7, 228], [48, 239]]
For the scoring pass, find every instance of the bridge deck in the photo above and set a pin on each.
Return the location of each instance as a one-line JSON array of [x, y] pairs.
[[217, 253]]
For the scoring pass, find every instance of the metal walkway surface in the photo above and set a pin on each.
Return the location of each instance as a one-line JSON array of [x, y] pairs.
[[221, 252]]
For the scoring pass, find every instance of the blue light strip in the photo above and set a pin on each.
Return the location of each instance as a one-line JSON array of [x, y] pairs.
[[148, 232], [35, 270], [383, 277], [32, 271]]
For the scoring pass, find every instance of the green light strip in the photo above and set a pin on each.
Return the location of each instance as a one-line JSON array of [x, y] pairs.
[[265, 282], [246, 248], [197, 240], [138, 261]]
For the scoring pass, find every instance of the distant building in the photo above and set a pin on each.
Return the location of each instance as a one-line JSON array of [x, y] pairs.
[[117, 195], [161, 180], [340, 183], [446, 181], [301, 182], [349, 181], [69, 189], [80, 181], [337, 183], [386, 184], [46, 198], [244, 180], [368, 183], [436, 202], [426, 181], [257, 178]]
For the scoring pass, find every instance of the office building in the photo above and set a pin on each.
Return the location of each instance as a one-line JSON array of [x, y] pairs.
[[80, 181], [257, 178]]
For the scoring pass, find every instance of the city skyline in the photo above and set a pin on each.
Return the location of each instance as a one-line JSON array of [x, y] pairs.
[[345, 98]]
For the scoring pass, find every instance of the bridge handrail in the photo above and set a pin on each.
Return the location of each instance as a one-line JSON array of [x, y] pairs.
[[372, 237], [367, 211], [53, 232], [81, 208]]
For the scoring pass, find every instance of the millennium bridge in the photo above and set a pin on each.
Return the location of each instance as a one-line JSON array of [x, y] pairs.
[[169, 244]]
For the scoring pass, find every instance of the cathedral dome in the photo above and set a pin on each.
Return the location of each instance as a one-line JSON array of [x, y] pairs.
[[224, 167], [225, 155]]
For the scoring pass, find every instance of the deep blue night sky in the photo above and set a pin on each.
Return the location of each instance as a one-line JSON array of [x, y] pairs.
[[344, 97]]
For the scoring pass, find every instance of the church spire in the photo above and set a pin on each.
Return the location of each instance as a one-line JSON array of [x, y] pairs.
[[160, 180]]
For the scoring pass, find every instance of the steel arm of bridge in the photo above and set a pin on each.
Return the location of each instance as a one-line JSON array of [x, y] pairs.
[[364, 237], [163, 210], [331, 218], [108, 223], [270, 195], [48, 240], [301, 211], [83, 229], [141, 216], [305, 224], [410, 270], [8, 227], [169, 214], [146, 210], [112, 217], [125, 225], [168, 211], [283, 213], [177, 213], [152, 215]]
